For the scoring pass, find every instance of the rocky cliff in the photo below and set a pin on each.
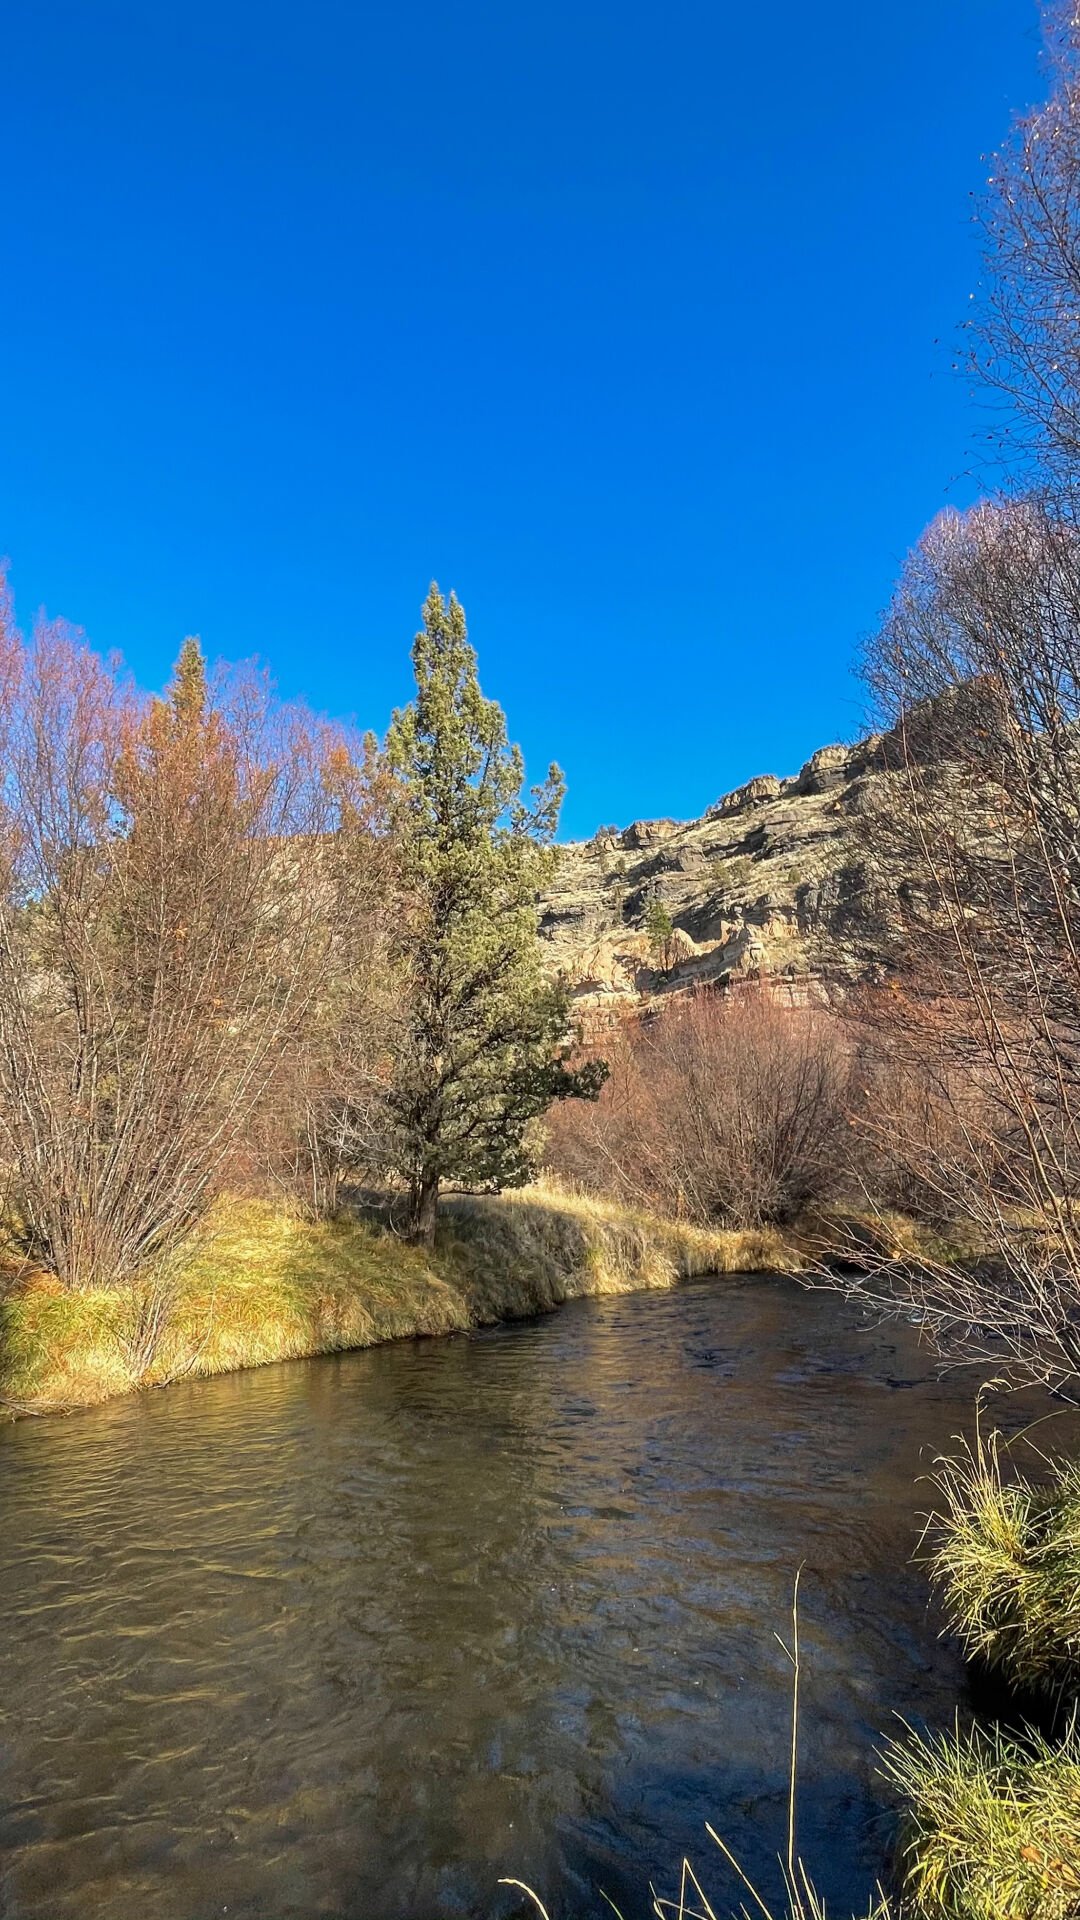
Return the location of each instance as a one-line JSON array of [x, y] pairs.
[[773, 880]]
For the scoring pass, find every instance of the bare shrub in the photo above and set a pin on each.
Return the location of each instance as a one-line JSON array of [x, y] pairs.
[[164, 940], [722, 1108], [978, 668], [924, 1125]]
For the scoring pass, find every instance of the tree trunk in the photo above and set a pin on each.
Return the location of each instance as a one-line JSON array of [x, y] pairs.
[[424, 1202]]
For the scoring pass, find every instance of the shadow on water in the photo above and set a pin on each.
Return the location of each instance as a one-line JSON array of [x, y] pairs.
[[356, 1636]]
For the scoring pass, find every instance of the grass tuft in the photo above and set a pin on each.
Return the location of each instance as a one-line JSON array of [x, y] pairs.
[[993, 1830], [1005, 1557], [801, 1898]]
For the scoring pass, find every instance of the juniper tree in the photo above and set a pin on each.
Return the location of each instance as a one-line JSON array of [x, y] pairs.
[[659, 929], [483, 1050]]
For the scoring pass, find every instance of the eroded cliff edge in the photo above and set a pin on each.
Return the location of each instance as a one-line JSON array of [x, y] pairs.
[[777, 878]]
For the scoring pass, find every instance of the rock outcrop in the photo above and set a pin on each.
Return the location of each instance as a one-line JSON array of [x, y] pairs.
[[773, 880]]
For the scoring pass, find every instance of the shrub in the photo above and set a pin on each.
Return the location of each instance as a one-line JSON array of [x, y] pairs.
[[726, 1108], [167, 932]]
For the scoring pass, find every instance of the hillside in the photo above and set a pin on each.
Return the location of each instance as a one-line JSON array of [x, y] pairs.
[[773, 879]]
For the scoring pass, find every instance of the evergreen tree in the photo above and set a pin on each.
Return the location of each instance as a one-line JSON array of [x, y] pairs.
[[659, 928], [484, 1045]]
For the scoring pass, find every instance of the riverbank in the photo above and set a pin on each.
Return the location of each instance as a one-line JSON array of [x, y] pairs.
[[263, 1282]]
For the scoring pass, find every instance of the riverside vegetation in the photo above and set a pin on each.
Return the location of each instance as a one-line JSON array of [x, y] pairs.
[[281, 1060], [263, 1280]]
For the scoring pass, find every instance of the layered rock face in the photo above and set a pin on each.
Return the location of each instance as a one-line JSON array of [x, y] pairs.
[[774, 880]]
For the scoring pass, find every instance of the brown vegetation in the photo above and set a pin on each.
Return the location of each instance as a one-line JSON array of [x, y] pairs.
[[976, 672], [720, 1109], [979, 1034], [170, 921]]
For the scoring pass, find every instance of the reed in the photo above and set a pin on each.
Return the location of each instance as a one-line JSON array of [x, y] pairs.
[[801, 1900], [991, 1832]]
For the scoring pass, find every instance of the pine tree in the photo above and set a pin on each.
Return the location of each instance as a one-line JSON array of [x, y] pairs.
[[485, 1033], [659, 928]]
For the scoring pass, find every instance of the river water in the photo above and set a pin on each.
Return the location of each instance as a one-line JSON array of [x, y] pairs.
[[353, 1637]]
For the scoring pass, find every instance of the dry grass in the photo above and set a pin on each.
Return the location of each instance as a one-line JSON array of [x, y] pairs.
[[801, 1899], [993, 1830], [862, 1234], [262, 1282], [549, 1244]]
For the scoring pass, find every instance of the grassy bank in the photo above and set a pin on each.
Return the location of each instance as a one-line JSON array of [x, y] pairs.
[[262, 1282], [990, 1831]]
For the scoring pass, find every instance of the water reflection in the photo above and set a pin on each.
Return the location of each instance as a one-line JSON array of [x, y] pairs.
[[356, 1636]]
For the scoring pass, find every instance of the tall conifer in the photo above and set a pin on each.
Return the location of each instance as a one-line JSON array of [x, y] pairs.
[[485, 1044]]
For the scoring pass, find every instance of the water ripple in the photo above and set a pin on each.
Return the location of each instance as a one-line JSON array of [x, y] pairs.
[[353, 1637]]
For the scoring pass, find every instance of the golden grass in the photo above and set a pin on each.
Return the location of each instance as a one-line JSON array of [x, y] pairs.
[[550, 1244], [851, 1234], [262, 1282], [993, 1830]]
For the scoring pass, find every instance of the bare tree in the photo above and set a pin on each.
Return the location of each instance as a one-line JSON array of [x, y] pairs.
[[331, 1120], [978, 667], [164, 941], [1026, 327], [976, 672]]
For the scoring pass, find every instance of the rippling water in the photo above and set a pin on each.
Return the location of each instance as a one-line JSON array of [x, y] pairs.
[[355, 1636]]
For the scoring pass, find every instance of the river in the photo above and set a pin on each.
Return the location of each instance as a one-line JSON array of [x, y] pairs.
[[355, 1636]]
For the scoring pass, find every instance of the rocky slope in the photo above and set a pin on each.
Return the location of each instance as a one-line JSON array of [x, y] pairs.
[[773, 880]]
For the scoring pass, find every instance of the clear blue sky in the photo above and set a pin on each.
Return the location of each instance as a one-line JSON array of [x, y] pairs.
[[633, 323]]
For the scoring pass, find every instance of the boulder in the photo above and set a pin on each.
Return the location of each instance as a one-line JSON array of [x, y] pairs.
[[826, 768], [763, 787], [645, 833]]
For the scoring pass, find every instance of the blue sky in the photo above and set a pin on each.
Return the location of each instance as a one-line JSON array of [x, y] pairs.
[[632, 323]]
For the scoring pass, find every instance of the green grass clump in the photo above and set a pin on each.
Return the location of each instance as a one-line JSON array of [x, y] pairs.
[[993, 1828], [1005, 1557]]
